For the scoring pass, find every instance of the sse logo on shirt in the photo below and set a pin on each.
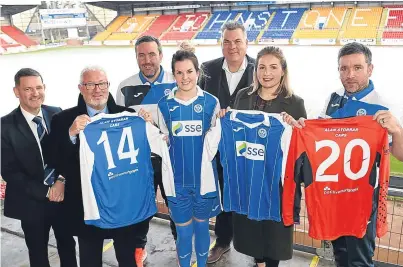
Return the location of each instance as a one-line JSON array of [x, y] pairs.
[[187, 128], [250, 151]]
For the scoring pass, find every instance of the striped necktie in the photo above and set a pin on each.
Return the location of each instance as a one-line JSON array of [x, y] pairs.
[[49, 173]]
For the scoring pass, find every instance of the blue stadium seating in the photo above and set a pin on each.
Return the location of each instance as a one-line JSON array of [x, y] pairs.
[[213, 28], [284, 23], [254, 22]]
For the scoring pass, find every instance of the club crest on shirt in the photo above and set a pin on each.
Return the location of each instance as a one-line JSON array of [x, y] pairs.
[[361, 112], [262, 133], [167, 91], [198, 108]]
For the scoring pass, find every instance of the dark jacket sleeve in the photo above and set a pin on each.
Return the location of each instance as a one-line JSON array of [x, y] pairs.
[[202, 79], [11, 171], [298, 111], [62, 148], [239, 95]]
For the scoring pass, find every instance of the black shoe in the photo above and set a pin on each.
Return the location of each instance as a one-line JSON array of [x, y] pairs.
[[216, 253]]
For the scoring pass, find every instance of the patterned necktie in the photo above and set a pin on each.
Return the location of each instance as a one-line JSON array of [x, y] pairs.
[[49, 173]]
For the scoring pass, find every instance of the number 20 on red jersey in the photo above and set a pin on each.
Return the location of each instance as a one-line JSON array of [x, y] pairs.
[[342, 163]]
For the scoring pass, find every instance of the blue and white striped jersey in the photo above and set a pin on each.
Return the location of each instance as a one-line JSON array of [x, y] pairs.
[[117, 176], [187, 123], [253, 151]]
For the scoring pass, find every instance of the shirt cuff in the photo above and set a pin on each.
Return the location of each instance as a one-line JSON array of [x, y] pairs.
[[73, 139]]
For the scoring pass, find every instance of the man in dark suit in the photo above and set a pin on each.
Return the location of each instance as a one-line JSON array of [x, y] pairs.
[[34, 193], [224, 77], [94, 98]]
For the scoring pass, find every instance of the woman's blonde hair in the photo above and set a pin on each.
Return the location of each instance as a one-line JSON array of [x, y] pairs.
[[284, 86]]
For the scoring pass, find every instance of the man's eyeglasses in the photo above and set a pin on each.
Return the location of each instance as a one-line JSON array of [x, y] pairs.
[[91, 86]]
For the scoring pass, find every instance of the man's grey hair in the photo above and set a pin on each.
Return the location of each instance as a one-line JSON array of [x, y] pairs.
[[90, 68], [355, 48], [231, 26]]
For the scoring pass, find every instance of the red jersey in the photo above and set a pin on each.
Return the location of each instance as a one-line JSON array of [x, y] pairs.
[[342, 163]]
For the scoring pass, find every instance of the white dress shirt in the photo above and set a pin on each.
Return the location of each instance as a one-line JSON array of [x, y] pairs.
[[233, 78], [29, 117]]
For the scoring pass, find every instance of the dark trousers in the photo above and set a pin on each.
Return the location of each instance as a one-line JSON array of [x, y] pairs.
[[124, 242], [37, 238], [350, 251], [269, 262], [223, 225], [156, 161]]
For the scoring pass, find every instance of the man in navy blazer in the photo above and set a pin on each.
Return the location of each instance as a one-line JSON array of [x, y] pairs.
[[34, 192]]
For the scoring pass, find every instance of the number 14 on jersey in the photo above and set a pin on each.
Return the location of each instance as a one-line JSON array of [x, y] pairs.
[[132, 154]]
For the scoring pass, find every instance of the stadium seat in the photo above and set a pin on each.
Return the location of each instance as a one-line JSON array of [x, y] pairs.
[[321, 23], [186, 26], [394, 23], [284, 23], [161, 24], [18, 36], [363, 23], [212, 30]]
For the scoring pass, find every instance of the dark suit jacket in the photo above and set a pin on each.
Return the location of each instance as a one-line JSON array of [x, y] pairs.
[[67, 161], [215, 80], [266, 238], [22, 166]]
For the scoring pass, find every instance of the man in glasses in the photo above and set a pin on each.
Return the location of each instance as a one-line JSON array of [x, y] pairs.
[[94, 98]]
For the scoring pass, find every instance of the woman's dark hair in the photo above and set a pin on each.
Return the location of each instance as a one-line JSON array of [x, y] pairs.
[[182, 55]]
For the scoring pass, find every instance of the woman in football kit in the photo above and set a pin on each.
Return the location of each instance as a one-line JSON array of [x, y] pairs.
[[186, 115]]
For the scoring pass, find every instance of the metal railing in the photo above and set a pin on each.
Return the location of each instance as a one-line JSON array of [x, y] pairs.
[[389, 249]]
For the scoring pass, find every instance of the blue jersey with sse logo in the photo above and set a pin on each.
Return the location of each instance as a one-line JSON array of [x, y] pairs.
[[253, 151], [187, 122]]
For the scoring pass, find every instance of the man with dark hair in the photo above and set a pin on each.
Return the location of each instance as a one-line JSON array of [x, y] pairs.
[[34, 192], [355, 69], [144, 90], [224, 77], [359, 97]]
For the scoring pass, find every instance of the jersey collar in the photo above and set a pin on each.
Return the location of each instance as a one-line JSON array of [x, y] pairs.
[[173, 92], [266, 120], [360, 95], [158, 80]]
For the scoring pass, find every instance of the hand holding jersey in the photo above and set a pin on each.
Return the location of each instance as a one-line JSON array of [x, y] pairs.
[[357, 98], [356, 171], [186, 115], [387, 121], [79, 124], [105, 172], [253, 150]]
